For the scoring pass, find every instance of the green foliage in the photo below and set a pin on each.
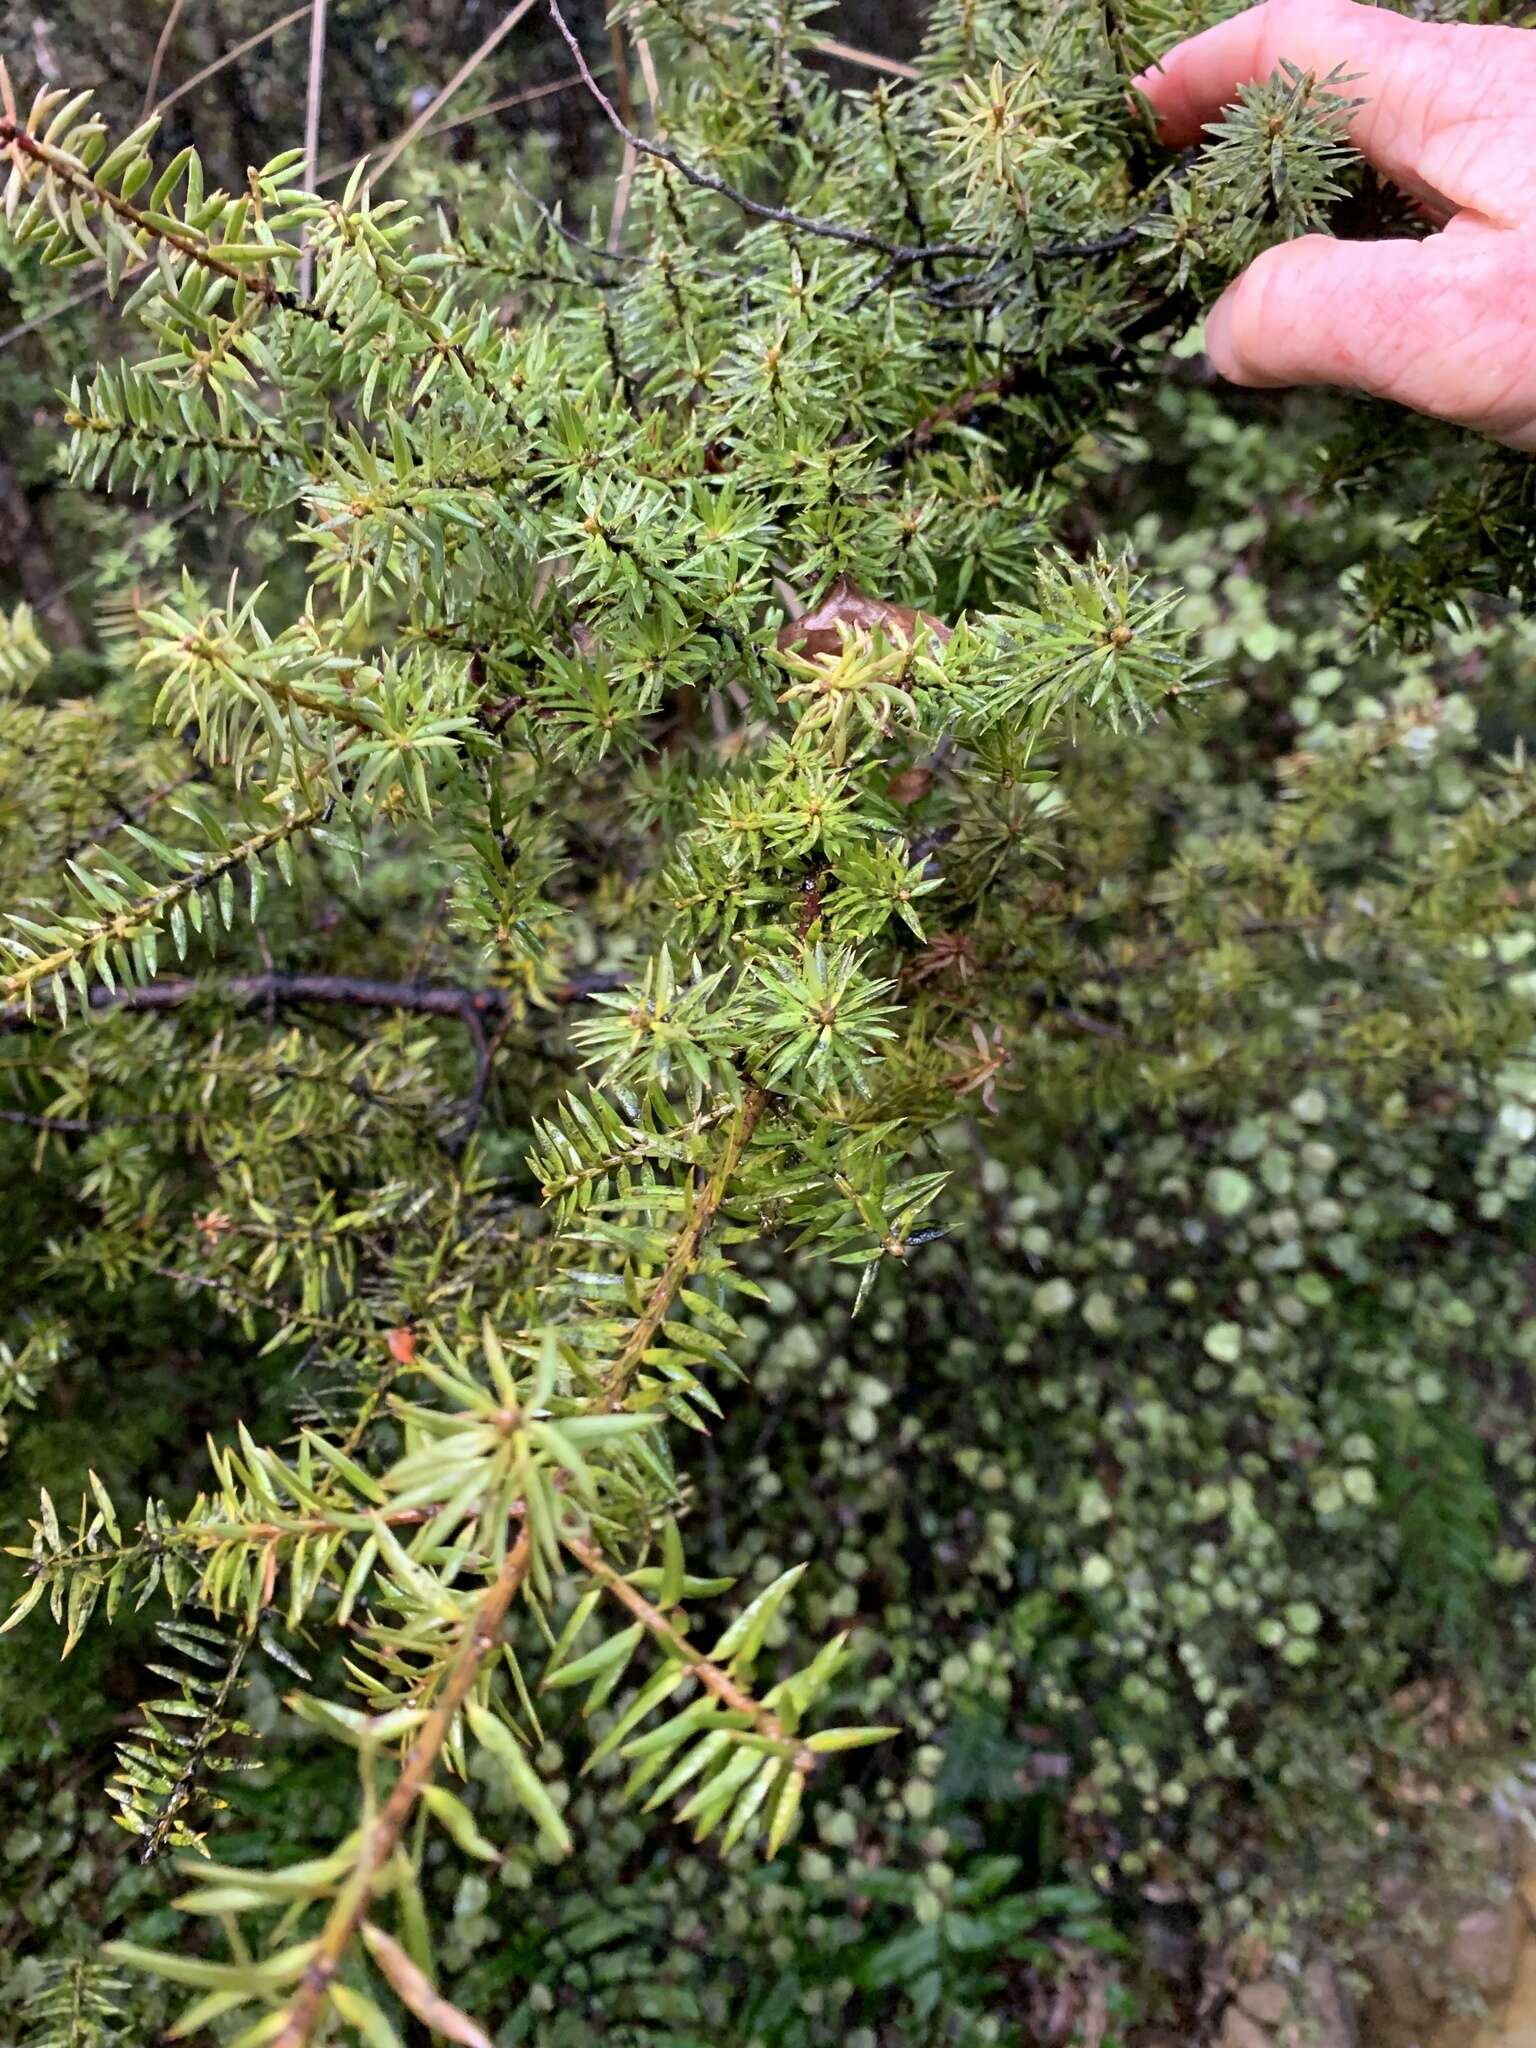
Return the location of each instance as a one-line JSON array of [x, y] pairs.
[[1241, 189], [75, 2005], [783, 738]]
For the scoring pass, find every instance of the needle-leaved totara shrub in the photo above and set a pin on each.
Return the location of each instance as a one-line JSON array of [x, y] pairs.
[[699, 733]]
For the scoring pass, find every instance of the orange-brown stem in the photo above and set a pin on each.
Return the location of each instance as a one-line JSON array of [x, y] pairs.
[[711, 1676], [480, 1640], [685, 1250]]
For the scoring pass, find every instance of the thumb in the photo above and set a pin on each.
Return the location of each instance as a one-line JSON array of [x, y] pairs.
[[1427, 324]]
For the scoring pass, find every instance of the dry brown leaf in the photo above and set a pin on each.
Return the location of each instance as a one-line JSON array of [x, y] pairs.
[[910, 786], [844, 604]]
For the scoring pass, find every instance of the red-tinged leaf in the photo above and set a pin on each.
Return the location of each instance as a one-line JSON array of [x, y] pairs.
[[910, 786], [844, 604], [402, 1346]]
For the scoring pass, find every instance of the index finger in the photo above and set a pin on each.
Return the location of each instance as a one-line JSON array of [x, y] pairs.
[[1429, 87]]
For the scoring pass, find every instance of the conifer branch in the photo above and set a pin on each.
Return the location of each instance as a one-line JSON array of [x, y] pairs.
[[18, 140], [714, 1679], [120, 927], [584, 520], [160, 1816], [479, 1641], [902, 254], [196, 643], [685, 1250]]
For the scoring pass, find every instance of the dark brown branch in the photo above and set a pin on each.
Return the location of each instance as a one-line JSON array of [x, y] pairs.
[[80, 1126], [471, 1006]]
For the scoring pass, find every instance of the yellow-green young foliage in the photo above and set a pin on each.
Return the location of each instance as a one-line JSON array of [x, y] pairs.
[[686, 742]]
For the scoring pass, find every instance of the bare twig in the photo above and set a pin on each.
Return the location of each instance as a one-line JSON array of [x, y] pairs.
[[70, 305], [487, 1046], [312, 97], [626, 176], [168, 29], [359, 992], [653, 95], [509, 100], [1102, 245], [829, 46], [440, 99], [82, 1126], [241, 49], [648, 72]]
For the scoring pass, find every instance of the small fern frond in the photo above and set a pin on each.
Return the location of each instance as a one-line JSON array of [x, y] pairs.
[[161, 1782], [75, 2005]]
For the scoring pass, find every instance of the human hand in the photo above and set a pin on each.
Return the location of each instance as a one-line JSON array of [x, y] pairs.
[[1446, 325]]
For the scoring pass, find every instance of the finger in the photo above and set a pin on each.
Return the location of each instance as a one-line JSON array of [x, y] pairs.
[[1443, 326], [1437, 94]]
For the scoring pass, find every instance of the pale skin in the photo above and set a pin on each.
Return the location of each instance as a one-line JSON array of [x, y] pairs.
[[1446, 325]]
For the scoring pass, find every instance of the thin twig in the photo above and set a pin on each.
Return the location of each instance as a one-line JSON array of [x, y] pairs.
[[69, 305], [61, 1124], [1102, 245], [714, 1679], [312, 97], [69, 171], [82, 1126], [509, 100], [241, 49], [556, 226], [648, 73], [97, 290], [626, 176], [830, 46], [487, 1046], [440, 99], [212, 1284], [829, 230], [167, 31]]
